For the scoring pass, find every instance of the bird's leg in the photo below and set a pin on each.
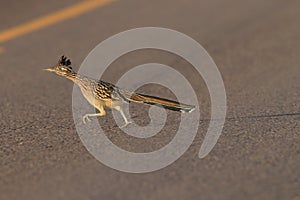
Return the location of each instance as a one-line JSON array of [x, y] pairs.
[[86, 116], [118, 108]]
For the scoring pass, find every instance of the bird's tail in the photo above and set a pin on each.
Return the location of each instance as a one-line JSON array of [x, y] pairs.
[[157, 101]]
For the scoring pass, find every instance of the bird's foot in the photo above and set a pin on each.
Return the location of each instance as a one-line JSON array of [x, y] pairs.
[[127, 123], [86, 118]]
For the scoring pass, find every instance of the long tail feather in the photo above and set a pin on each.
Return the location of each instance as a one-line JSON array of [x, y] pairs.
[[157, 101]]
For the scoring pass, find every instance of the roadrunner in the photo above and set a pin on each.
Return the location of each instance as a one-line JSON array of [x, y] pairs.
[[102, 94]]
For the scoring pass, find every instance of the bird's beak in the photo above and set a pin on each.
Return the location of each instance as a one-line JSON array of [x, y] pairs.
[[49, 69]]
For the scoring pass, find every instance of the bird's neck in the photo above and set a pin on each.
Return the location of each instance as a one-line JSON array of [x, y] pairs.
[[72, 76], [78, 79]]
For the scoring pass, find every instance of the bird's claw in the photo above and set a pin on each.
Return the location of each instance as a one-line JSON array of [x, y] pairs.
[[128, 122], [86, 118]]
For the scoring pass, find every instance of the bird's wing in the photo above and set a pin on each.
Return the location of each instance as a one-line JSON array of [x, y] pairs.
[[106, 91]]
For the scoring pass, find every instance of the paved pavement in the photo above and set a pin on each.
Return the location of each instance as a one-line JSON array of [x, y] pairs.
[[256, 47]]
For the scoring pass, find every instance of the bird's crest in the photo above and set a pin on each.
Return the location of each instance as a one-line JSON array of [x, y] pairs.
[[64, 61]]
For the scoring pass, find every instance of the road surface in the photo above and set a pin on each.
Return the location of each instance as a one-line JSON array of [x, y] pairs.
[[255, 44]]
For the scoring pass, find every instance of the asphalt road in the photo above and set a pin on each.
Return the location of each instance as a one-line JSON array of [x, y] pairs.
[[256, 47]]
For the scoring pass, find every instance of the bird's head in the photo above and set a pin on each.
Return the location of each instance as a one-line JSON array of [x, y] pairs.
[[62, 68]]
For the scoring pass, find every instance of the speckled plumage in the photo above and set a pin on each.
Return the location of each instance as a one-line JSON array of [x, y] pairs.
[[102, 94]]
